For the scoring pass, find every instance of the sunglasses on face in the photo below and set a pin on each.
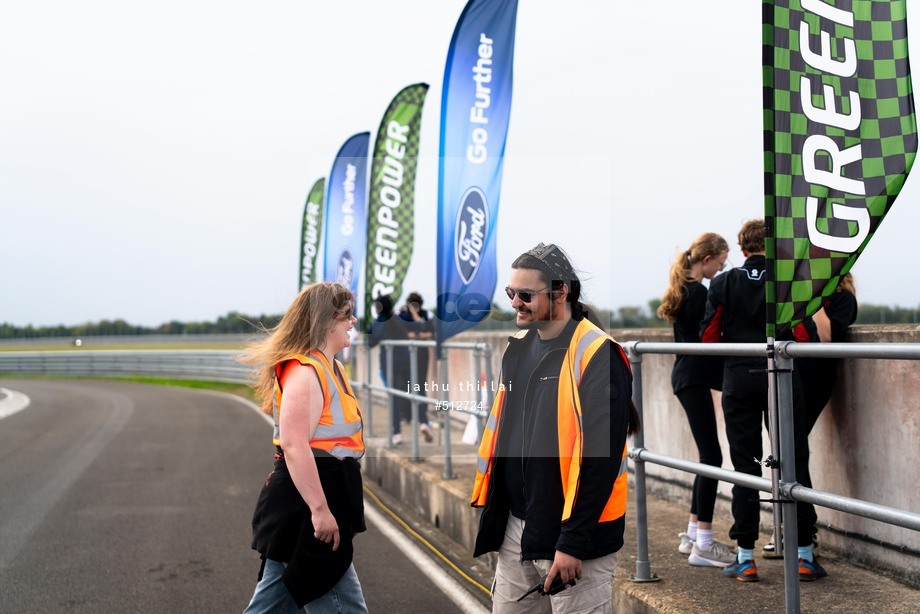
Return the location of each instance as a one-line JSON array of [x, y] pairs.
[[345, 313], [523, 293]]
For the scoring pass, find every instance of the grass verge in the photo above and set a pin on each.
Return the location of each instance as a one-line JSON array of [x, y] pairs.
[[241, 390]]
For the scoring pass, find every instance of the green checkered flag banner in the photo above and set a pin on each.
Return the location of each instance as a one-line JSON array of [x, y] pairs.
[[391, 208], [840, 137], [311, 229]]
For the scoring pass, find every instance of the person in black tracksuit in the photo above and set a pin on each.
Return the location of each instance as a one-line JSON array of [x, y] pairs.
[[692, 379], [736, 313], [388, 326]]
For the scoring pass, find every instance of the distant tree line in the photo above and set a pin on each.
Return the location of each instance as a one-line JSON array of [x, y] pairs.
[[882, 314], [622, 317], [234, 322], [646, 317]]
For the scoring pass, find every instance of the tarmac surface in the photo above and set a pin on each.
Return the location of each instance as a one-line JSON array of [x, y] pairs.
[[122, 497]]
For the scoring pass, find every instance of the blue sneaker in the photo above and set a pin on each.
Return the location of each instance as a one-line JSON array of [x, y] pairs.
[[743, 572], [809, 571]]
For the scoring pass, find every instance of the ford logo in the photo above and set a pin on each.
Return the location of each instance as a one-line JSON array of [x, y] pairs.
[[470, 233], [345, 269]]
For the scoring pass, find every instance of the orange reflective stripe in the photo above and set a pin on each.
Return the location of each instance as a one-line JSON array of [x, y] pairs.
[[586, 341], [487, 445], [616, 505], [487, 452]]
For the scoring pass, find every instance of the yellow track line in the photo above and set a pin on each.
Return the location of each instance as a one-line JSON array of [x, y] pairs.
[[412, 532]]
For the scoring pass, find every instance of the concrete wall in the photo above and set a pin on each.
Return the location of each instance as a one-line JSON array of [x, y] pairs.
[[865, 444]]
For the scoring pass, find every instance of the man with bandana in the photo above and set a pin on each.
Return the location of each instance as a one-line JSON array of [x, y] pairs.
[[551, 475]]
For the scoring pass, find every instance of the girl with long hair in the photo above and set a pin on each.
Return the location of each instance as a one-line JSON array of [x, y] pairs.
[[311, 505], [692, 379]]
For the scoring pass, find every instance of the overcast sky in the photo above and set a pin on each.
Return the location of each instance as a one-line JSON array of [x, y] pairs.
[[155, 156]]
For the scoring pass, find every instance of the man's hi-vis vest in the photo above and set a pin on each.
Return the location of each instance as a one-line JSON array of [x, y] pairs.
[[339, 431], [585, 343]]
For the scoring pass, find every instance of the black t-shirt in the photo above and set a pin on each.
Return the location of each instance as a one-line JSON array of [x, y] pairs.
[[693, 370], [512, 437], [841, 310]]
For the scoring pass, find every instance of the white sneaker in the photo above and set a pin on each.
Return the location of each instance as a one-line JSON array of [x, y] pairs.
[[396, 439], [686, 544], [717, 555], [425, 430]]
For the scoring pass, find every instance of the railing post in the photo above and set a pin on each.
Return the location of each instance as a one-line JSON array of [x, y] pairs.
[[413, 379], [775, 448], [442, 395], [783, 375], [643, 567], [389, 383], [489, 396], [477, 372], [368, 394]]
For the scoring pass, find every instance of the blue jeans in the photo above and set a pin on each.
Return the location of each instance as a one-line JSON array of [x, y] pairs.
[[272, 596]]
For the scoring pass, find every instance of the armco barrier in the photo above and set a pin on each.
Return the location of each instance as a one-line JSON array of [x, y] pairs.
[[217, 365]]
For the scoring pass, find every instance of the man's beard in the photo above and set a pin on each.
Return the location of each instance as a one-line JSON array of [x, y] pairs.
[[534, 323]]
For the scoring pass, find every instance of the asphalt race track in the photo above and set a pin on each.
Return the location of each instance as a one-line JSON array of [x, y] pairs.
[[119, 497]]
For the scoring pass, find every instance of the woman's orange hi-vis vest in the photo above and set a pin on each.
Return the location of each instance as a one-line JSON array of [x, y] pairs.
[[586, 341], [340, 428]]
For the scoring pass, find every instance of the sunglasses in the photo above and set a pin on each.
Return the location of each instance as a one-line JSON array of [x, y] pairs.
[[524, 294]]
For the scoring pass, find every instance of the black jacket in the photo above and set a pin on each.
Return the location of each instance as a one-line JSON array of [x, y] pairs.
[[391, 328], [693, 370], [605, 393], [282, 526], [736, 310]]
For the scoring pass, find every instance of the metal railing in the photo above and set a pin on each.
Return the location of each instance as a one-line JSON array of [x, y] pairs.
[[135, 340], [218, 365], [782, 485], [482, 359]]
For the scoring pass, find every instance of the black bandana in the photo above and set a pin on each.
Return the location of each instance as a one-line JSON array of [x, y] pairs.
[[555, 261]]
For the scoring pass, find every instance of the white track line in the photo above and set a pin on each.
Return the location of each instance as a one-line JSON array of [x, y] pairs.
[[440, 578], [12, 403]]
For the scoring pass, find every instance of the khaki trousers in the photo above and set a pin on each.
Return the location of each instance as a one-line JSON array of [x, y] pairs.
[[592, 594]]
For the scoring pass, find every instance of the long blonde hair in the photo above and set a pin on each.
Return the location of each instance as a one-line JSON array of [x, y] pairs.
[[707, 244], [303, 328], [846, 283]]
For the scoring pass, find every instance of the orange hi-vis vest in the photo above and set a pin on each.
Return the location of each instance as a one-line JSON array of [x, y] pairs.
[[586, 341], [340, 428]]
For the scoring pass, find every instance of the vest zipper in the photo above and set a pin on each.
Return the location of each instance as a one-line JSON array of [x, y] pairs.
[[524, 434]]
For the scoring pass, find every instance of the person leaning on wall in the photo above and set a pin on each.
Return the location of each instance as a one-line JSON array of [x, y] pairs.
[[419, 326], [388, 326], [736, 312], [692, 379]]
